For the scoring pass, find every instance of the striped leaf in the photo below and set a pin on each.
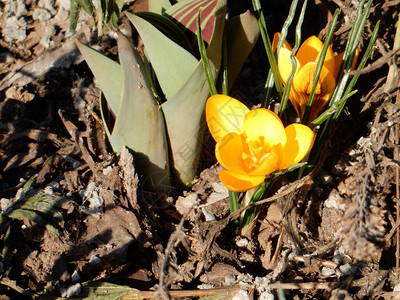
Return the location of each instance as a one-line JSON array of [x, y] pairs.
[[185, 13]]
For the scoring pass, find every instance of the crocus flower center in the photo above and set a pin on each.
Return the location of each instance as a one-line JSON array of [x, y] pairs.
[[254, 152]]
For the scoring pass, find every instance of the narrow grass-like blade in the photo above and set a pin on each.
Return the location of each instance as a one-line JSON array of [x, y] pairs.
[[320, 64]]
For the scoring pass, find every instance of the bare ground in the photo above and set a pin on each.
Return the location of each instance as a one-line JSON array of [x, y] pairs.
[[331, 235]]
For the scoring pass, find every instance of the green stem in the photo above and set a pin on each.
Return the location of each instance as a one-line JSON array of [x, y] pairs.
[[204, 58], [320, 64], [296, 47], [267, 44], [234, 205]]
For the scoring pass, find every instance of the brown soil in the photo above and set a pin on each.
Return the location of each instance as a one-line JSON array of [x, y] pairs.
[[331, 235]]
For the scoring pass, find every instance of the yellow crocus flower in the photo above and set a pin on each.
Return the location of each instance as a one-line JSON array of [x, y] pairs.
[[307, 59], [253, 143]]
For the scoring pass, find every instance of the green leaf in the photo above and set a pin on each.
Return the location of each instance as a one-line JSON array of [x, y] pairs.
[[242, 33], [172, 63], [32, 216], [184, 112], [74, 15], [107, 72], [108, 291], [87, 5], [167, 27], [139, 122], [159, 6]]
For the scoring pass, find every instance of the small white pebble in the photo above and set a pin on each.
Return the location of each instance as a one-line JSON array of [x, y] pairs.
[[48, 190], [94, 259], [72, 291], [207, 215], [327, 271], [107, 170], [205, 286], [75, 277], [230, 280], [397, 288], [242, 295], [242, 242], [347, 269], [266, 296], [80, 104]]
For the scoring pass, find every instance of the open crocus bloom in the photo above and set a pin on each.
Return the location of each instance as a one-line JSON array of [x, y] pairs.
[[253, 143], [307, 59]]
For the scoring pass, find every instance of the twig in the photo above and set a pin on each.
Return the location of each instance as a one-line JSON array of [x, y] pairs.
[[176, 236], [77, 137], [13, 285], [385, 59], [396, 156]]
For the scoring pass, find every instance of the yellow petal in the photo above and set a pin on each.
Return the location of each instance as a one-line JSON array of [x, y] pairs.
[[237, 182], [285, 45], [330, 61], [302, 86], [228, 152], [224, 115], [271, 163], [309, 50], [285, 65], [300, 139], [262, 122], [299, 103]]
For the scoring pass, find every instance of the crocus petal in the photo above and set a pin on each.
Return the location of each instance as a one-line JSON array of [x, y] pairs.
[[285, 64], [302, 86], [224, 115], [262, 122], [271, 163], [228, 152], [330, 61], [300, 139], [298, 102], [309, 50], [237, 182], [275, 41]]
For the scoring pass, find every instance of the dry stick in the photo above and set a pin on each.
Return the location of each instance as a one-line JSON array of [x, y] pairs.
[[396, 155], [162, 290], [231, 291]]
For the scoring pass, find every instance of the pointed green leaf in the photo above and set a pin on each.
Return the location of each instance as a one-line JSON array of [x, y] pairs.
[[32, 216], [159, 6], [107, 72], [108, 291], [167, 27], [242, 35], [74, 15], [139, 123], [187, 107], [172, 63]]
